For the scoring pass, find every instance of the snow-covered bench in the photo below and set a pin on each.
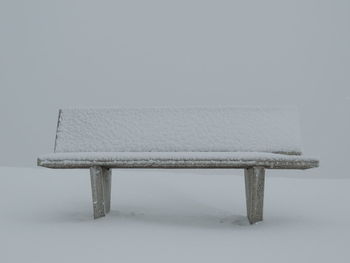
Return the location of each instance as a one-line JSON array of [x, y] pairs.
[[251, 138]]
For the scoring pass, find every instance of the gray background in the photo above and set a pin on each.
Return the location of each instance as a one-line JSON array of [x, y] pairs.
[[57, 54]]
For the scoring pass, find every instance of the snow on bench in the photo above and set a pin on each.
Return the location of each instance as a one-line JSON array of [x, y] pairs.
[[253, 138]]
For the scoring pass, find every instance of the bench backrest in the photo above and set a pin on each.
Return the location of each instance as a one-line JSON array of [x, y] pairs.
[[229, 129]]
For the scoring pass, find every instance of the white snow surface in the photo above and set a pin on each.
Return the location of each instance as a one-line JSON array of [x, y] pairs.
[[171, 216], [174, 156], [227, 129], [110, 156]]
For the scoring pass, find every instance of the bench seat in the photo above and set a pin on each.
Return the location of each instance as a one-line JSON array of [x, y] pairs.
[[176, 160]]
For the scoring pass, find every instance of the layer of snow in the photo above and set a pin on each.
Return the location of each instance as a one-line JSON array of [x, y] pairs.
[[227, 129], [176, 159], [170, 216], [110, 156], [172, 156]]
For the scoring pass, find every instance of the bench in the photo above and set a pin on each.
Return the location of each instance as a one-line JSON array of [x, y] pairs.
[[250, 138]]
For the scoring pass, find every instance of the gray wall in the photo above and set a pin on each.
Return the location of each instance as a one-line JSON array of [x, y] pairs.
[[57, 54]]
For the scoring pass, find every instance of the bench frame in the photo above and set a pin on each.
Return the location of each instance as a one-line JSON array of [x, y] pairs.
[[101, 182], [254, 173]]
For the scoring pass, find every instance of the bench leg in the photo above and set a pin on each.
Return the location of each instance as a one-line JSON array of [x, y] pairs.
[[254, 187], [101, 190], [107, 183]]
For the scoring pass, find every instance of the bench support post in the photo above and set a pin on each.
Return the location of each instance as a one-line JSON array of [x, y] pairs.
[[107, 183], [254, 187], [101, 190]]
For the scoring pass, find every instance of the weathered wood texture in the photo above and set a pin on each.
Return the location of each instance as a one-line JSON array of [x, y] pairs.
[[254, 187], [101, 190]]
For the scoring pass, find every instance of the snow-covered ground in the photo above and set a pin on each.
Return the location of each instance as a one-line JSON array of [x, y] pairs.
[[171, 216]]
